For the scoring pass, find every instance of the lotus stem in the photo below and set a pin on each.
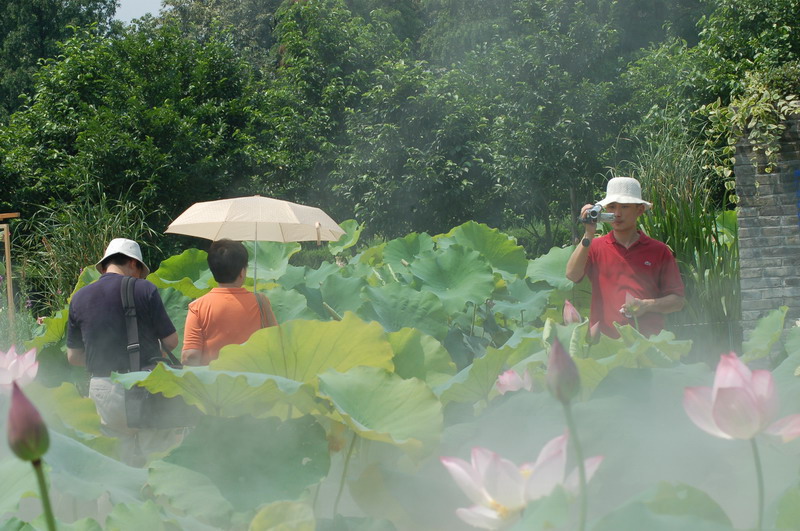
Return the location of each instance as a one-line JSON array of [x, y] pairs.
[[344, 475], [760, 480], [576, 445], [47, 508]]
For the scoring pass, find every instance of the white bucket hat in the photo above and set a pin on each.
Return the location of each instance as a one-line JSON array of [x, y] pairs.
[[127, 247], [625, 190]]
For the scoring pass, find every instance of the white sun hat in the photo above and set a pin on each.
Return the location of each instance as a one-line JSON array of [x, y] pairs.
[[626, 190], [127, 247]]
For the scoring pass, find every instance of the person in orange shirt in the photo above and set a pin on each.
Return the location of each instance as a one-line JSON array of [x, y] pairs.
[[228, 314]]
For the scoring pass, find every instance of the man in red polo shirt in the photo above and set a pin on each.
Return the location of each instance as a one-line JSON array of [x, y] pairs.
[[635, 279]]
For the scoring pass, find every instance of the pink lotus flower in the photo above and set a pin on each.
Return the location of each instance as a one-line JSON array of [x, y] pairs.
[[571, 315], [742, 404], [501, 490], [19, 368], [27, 433], [511, 381]]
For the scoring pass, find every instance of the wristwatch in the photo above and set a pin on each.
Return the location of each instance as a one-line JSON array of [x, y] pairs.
[[585, 242]]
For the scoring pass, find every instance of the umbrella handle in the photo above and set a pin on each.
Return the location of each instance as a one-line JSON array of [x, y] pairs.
[[319, 237]]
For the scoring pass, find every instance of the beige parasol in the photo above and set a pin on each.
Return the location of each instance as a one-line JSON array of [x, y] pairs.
[[256, 218]]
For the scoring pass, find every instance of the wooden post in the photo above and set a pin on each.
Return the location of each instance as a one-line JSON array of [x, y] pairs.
[[9, 282]]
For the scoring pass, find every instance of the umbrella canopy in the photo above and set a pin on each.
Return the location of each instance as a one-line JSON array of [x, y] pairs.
[[256, 218]]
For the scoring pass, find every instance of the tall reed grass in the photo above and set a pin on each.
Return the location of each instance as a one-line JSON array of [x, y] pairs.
[[59, 240]]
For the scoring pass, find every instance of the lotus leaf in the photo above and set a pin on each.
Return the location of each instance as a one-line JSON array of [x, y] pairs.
[[500, 250], [551, 268], [352, 232], [668, 506], [767, 332], [177, 306], [342, 294], [17, 483], [397, 306], [145, 515], [203, 501], [456, 275], [301, 350], [80, 472], [474, 383], [382, 406], [550, 512], [406, 249], [521, 302], [289, 304], [55, 327], [88, 275], [285, 516], [418, 355], [788, 509], [187, 272], [65, 410], [256, 461], [271, 258], [222, 393]]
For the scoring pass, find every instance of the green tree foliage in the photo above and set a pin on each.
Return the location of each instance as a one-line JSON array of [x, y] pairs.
[[30, 31], [148, 113], [252, 22]]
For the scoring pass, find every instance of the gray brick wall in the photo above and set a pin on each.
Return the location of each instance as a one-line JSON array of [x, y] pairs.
[[769, 233]]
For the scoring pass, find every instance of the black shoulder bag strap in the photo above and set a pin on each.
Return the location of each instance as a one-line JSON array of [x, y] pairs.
[[129, 307]]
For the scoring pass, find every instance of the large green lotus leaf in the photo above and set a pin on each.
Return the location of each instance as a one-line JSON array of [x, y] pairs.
[[552, 268], [177, 306], [371, 256], [666, 507], [788, 509], [145, 515], [406, 249], [294, 276], [342, 294], [256, 461], [271, 258], [203, 500], [65, 410], [591, 373], [398, 306], [521, 302], [54, 329], [315, 277], [661, 350], [352, 232], [550, 512], [300, 350], [418, 355], [222, 393], [18, 482], [456, 275], [475, 382], [499, 249], [289, 304], [284, 516], [88, 275], [382, 406], [767, 332], [187, 272], [78, 471]]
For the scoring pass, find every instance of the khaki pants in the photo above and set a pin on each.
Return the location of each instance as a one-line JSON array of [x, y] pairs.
[[135, 445]]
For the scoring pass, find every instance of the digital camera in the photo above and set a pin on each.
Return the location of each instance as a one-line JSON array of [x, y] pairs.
[[596, 214]]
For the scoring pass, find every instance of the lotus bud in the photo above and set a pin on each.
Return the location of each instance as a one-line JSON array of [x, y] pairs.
[[27, 433], [571, 315], [563, 379]]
